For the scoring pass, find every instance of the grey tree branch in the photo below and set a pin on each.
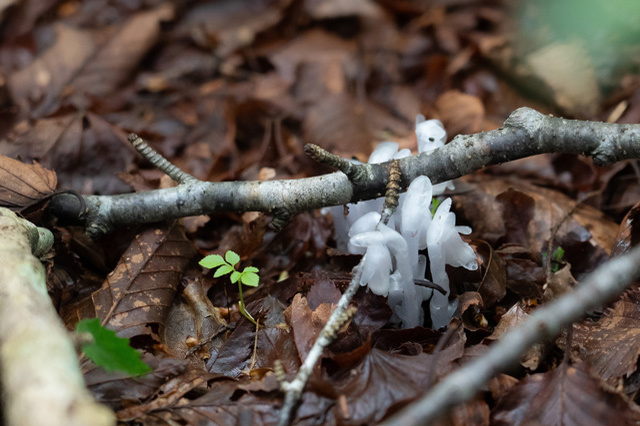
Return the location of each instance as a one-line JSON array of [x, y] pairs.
[[41, 380], [525, 133], [546, 322]]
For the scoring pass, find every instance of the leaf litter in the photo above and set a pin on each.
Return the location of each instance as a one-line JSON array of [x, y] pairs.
[[232, 90]]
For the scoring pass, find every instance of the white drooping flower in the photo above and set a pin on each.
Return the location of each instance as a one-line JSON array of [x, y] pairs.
[[430, 134], [446, 247], [392, 259]]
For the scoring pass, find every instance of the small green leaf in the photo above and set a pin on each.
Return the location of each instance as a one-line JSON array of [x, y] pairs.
[[249, 278], [223, 270], [212, 261], [232, 257], [110, 351], [235, 275], [251, 269]]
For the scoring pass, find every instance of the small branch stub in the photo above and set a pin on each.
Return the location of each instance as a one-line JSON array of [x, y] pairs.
[[159, 161], [354, 172]]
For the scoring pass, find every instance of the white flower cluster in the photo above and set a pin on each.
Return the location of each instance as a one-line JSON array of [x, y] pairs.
[[391, 252]]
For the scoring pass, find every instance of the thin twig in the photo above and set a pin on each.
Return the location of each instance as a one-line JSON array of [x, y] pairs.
[[545, 323]]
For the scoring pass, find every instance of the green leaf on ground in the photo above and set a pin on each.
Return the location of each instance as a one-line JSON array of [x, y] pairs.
[[110, 351]]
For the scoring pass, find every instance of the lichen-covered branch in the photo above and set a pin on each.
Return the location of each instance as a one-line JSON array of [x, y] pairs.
[[525, 133], [545, 323], [41, 380]]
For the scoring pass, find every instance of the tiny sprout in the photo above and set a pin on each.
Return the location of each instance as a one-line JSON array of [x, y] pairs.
[[227, 265]]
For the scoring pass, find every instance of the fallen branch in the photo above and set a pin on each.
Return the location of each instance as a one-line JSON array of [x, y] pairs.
[[525, 133], [604, 284], [41, 380]]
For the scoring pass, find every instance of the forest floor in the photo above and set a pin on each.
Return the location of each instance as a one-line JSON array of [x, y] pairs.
[[232, 90]]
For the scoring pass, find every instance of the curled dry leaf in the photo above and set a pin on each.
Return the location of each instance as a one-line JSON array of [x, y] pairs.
[[566, 395], [141, 288], [22, 184], [515, 316], [193, 326]]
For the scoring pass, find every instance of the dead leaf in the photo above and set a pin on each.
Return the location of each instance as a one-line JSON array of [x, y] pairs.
[[275, 342], [115, 388], [566, 395], [86, 151], [22, 184], [460, 113], [193, 326], [84, 63], [567, 69], [628, 233], [139, 291], [612, 344], [514, 317], [224, 26], [586, 236], [493, 286], [385, 379]]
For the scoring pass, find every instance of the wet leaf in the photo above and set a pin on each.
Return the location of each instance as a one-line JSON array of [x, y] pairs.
[[141, 288], [566, 395]]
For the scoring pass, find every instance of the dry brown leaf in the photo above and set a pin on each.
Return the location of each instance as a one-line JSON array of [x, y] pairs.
[[86, 151], [81, 62], [141, 288], [383, 379], [226, 25], [586, 236], [514, 317], [460, 113], [611, 345], [22, 184], [563, 396], [193, 326]]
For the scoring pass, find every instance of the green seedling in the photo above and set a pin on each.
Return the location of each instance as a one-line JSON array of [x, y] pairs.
[[556, 259], [227, 265]]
